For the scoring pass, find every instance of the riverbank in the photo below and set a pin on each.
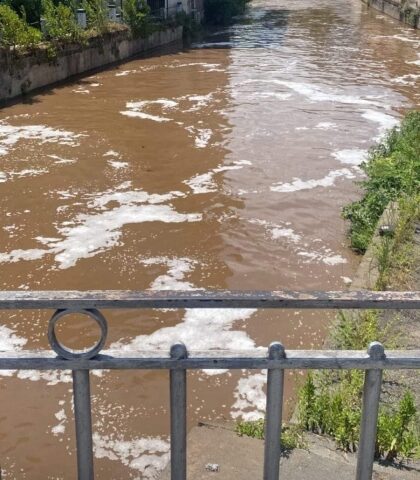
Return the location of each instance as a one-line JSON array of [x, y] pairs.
[[385, 224], [35, 68], [407, 11]]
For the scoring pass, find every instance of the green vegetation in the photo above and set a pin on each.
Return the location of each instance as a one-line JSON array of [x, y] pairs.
[[222, 12], [97, 15], [291, 435], [15, 31], [393, 174], [136, 16], [60, 23], [331, 402]]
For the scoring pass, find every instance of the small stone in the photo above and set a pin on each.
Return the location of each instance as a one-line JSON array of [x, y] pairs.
[[212, 467]]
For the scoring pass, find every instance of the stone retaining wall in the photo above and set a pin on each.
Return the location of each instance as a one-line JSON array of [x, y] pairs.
[[407, 11], [19, 75]]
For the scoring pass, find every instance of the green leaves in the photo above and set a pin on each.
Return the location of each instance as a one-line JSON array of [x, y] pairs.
[[60, 22], [136, 15], [14, 31], [393, 172]]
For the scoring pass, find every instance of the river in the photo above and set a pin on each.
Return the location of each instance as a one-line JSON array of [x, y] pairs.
[[221, 165]]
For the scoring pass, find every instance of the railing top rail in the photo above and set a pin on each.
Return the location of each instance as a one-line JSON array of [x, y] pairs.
[[107, 299], [213, 359]]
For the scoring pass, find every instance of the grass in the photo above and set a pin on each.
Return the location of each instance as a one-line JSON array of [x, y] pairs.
[[330, 402], [291, 435], [393, 174]]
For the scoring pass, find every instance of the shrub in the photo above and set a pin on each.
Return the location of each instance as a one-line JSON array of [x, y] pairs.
[[393, 172], [97, 15], [32, 8], [60, 22], [14, 31], [331, 402], [136, 15], [221, 12]]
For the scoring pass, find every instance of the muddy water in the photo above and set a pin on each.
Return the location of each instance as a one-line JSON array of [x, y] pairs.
[[224, 165]]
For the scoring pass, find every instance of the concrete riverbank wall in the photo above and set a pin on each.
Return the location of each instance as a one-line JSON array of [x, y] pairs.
[[407, 11], [32, 70]]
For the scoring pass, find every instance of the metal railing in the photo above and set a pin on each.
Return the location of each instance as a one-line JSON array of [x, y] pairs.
[[179, 359]]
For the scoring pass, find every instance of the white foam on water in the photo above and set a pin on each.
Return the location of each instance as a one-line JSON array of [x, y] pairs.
[[111, 153], [178, 268], [199, 101], [10, 135], [89, 234], [384, 120], [147, 455], [319, 94], [118, 165], [279, 231], [200, 329], [81, 90], [326, 126], [204, 183], [409, 79], [276, 95], [299, 184], [203, 137], [414, 62], [250, 397], [207, 66], [124, 73], [351, 156], [135, 109], [62, 161], [324, 257]]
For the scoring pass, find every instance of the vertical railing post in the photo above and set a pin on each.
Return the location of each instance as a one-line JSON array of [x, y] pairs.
[[273, 418], [370, 409], [178, 394], [83, 420]]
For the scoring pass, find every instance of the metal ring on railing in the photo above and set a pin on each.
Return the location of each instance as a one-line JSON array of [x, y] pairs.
[[68, 353]]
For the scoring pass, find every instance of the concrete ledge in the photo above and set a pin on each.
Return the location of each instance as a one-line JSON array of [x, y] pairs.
[[398, 9], [242, 458], [35, 70]]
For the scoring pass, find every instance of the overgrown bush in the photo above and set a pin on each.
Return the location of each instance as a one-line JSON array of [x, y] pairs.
[[32, 8], [331, 402], [14, 30], [60, 22], [97, 15], [393, 172], [222, 12], [136, 15]]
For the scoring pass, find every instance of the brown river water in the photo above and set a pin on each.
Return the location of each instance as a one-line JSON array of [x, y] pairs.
[[221, 165]]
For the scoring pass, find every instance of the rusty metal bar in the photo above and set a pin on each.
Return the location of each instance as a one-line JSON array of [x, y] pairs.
[[83, 420], [215, 359], [273, 418], [369, 421], [208, 299], [178, 396]]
